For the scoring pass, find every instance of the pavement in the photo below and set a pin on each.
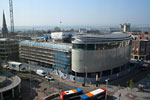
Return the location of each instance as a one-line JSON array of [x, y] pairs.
[[128, 94], [135, 93], [72, 85]]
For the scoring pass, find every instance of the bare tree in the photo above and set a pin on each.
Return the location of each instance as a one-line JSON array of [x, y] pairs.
[[57, 29]]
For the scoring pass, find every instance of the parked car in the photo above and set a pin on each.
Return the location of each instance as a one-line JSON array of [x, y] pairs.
[[145, 66], [50, 78], [41, 72]]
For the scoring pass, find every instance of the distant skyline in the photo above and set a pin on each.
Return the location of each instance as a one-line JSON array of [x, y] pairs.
[[77, 12]]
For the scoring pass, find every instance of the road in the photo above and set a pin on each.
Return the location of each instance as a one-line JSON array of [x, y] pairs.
[[135, 76]]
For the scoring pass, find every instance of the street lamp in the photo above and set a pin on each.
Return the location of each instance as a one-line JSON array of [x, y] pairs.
[[30, 78], [127, 85], [84, 78], [85, 75], [106, 87]]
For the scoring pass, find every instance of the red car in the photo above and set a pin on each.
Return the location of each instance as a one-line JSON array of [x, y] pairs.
[[145, 67]]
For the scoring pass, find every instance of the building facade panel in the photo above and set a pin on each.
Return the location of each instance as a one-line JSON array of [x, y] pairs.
[[97, 61]]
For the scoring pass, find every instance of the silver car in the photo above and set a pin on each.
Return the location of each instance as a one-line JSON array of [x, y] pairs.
[[49, 78]]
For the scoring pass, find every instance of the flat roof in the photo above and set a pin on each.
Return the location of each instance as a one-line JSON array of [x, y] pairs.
[[13, 62], [50, 44], [114, 36], [13, 79], [141, 40], [5, 39]]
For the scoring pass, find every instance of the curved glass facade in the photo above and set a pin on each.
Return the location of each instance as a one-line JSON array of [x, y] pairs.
[[102, 46]]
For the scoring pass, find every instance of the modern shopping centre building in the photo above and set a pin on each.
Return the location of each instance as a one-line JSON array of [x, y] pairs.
[[88, 54], [100, 54]]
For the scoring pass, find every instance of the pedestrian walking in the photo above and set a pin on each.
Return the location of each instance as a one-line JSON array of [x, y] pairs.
[[119, 96]]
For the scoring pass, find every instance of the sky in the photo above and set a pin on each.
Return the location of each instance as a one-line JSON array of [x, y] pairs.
[[77, 12]]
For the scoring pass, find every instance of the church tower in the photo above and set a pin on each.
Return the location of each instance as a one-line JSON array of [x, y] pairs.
[[4, 28]]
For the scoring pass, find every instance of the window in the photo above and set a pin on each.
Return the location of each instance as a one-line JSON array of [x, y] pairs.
[[120, 44], [124, 44], [142, 43], [142, 49], [90, 46], [114, 45], [99, 46], [135, 57], [79, 46], [103, 46], [106, 72], [116, 70], [106, 46]]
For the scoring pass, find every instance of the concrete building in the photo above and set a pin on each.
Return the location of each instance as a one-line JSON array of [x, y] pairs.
[[82, 30], [100, 54], [9, 86], [47, 54], [126, 27], [62, 36], [20, 37], [8, 49]]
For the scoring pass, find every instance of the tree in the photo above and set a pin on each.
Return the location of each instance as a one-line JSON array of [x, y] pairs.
[[72, 30], [131, 85], [49, 31], [57, 29], [63, 30]]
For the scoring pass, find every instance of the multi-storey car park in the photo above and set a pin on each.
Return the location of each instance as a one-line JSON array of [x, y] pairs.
[[88, 55]]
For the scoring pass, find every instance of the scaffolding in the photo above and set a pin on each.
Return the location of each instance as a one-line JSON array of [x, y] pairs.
[[47, 54], [46, 45]]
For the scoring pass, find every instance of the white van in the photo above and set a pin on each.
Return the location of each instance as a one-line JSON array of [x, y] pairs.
[[14, 65], [41, 72]]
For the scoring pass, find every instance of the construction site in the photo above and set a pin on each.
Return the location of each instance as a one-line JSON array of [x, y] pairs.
[[47, 54]]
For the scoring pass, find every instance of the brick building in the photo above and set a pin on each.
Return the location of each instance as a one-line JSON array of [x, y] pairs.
[[141, 47]]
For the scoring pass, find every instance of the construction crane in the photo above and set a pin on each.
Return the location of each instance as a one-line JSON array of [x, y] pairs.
[[11, 16]]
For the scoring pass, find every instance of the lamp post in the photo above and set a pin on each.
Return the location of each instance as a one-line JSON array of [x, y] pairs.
[[2, 96], [127, 85], [30, 78], [85, 75], [106, 87], [96, 80], [84, 78]]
